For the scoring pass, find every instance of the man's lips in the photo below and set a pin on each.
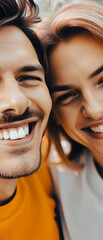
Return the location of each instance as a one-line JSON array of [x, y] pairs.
[[18, 123], [17, 131]]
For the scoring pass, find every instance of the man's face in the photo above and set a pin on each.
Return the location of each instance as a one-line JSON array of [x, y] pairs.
[[24, 104], [76, 82]]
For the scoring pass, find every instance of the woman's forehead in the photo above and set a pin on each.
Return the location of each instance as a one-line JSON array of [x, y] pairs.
[[82, 54]]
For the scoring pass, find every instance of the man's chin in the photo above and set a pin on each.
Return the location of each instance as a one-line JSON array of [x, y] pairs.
[[28, 167], [19, 175]]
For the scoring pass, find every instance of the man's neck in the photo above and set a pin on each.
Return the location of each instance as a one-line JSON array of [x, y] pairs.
[[7, 190]]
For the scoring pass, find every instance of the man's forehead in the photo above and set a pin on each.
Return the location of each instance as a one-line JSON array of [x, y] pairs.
[[13, 35], [14, 42]]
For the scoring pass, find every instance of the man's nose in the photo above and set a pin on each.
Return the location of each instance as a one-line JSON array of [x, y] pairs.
[[12, 99], [92, 107]]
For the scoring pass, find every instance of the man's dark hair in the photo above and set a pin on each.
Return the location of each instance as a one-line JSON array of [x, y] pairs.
[[22, 14]]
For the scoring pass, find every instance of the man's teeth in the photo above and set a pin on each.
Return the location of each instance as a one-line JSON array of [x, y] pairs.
[[15, 133], [98, 129]]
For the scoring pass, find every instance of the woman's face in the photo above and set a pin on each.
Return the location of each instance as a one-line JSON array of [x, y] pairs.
[[76, 83]]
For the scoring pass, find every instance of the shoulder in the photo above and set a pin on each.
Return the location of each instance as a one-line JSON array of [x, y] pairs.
[[45, 179], [64, 177]]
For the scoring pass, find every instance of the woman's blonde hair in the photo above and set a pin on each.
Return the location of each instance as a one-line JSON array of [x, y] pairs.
[[87, 15], [70, 20]]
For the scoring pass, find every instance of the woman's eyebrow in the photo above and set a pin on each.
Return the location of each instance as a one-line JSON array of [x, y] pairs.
[[96, 72], [67, 87], [60, 88]]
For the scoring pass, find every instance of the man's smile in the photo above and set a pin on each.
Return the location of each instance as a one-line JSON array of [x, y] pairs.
[[14, 133], [17, 131]]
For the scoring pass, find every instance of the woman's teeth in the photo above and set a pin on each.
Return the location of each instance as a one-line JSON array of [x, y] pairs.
[[98, 129], [14, 133]]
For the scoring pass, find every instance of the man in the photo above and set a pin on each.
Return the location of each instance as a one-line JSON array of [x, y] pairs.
[[26, 211]]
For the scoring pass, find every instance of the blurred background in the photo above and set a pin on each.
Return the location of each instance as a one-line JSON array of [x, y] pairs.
[[48, 6]]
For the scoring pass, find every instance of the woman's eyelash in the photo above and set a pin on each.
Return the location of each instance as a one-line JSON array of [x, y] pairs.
[[100, 81], [65, 96], [24, 78]]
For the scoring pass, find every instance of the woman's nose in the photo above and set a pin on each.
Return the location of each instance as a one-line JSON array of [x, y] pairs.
[[92, 107]]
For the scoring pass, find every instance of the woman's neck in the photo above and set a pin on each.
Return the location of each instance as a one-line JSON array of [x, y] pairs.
[[99, 168]]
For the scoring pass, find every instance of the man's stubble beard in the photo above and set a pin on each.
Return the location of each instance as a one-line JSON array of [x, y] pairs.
[[28, 169], [8, 168]]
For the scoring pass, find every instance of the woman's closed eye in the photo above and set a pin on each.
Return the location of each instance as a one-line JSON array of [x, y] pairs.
[[100, 82], [67, 98]]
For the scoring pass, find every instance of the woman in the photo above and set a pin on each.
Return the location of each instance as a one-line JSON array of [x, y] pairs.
[[73, 43]]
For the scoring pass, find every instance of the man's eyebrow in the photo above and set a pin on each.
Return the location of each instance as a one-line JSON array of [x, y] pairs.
[[32, 68], [96, 72], [60, 88]]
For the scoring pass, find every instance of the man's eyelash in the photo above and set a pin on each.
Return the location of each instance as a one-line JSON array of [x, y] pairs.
[[24, 78]]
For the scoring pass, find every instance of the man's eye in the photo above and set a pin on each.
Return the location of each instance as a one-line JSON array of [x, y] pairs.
[[100, 81], [66, 98], [28, 78]]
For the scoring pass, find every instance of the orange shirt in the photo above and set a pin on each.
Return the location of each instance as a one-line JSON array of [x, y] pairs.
[[30, 214]]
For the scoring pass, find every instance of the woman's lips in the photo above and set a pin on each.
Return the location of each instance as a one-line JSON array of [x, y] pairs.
[[95, 131]]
